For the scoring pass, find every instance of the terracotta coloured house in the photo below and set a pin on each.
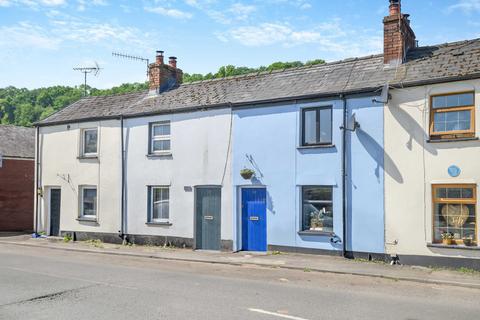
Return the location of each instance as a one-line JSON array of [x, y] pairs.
[[17, 164]]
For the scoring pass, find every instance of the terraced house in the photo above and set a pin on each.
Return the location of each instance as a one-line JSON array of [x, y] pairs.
[[369, 156]]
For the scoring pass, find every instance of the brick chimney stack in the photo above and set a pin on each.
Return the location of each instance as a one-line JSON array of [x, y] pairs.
[[398, 35], [164, 77]]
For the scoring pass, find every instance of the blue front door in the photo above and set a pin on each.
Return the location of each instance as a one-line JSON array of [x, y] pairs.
[[254, 219]]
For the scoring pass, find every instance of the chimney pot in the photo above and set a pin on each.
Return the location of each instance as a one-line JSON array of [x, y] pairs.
[[172, 61], [159, 57], [395, 7]]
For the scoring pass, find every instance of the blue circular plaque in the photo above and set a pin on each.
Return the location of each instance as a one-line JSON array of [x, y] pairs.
[[454, 171]]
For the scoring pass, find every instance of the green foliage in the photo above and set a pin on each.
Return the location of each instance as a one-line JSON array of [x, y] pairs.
[[21, 106]]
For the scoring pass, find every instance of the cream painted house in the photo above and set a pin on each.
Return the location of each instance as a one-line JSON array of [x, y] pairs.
[[432, 133]]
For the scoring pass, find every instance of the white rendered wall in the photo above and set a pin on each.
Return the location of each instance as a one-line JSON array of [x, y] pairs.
[[200, 156]]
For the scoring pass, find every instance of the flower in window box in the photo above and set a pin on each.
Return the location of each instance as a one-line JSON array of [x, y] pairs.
[[247, 174]]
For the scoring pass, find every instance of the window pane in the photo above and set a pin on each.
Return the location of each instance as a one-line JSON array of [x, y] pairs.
[[317, 209], [452, 101], [310, 127], [452, 121], [466, 99], [90, 141], [89, 202], [160, 204], [161, 145], [325, 125], [161, 129], [439, 102]]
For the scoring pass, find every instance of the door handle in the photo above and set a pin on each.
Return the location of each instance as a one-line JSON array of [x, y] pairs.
[[254, 218], [208, 217]]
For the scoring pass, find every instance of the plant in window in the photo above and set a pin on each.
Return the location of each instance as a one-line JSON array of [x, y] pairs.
[[447, 238], [468, 241], [247, 174]]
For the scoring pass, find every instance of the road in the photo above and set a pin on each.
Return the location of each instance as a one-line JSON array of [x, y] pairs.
[[41, 283]]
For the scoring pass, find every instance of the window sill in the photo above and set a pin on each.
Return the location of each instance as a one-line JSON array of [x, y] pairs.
[[158, 223], [87, 220], [316, 233], [453, 246], [87, 157], [318, 146], [159, 155], [452, 140]]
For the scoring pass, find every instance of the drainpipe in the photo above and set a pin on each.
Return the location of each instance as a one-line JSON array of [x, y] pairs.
[[344, 176], [37, 169], [122, 210]]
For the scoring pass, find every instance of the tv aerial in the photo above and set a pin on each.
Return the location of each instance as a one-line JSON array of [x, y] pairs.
[[131, 57], [86, 70]]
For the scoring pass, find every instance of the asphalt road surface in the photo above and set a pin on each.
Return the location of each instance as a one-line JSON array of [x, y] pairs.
[[38, 283]]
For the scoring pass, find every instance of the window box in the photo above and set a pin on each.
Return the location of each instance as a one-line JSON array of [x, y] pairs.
[[452, 116], [316, 126], [317, 210]]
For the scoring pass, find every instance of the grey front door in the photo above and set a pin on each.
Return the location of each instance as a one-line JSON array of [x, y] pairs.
[[55, 196], [207, 218]]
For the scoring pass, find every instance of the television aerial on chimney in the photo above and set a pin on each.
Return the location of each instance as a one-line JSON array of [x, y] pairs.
[[86, 70], [131, 57]]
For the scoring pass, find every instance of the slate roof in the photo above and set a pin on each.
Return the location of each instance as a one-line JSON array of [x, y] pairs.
[[431, 64], [17, 142]]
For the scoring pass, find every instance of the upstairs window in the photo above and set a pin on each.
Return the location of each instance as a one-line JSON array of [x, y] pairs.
[[90, 142], [160, 137], [452, 116], [316, 126]]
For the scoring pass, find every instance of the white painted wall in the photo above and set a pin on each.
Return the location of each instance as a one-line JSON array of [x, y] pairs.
[[60, 167], [200, 156], [412, 165]]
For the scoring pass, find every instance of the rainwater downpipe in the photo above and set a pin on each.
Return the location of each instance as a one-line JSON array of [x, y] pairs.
[[344, 176], [122, 206], [37, 169]]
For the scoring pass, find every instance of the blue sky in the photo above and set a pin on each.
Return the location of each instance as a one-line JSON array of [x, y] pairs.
[[41, 41]]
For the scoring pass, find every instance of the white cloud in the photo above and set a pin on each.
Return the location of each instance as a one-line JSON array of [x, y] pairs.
[[27, 35], [173, 13], [83, 4], [5, 3], [64, 29], [241, 11], [466, 6], [235, 12], [332, 37]]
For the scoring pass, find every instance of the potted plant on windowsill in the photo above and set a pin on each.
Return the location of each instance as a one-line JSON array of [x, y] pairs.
[[447, 238], [247, 174], [467, 241]]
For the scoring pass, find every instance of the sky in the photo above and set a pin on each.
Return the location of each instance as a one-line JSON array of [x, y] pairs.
[[42, 41]]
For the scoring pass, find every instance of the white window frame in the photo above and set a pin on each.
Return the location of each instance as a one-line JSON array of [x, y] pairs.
[[84, 134], [152, 203], [154, 138], [89, 216]]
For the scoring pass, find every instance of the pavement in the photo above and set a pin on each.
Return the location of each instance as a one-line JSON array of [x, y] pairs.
[[37, 282], [293, 261]]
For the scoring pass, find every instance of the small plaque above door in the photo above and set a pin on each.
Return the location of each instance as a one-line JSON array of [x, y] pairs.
[[253, 218], [208, 217]]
